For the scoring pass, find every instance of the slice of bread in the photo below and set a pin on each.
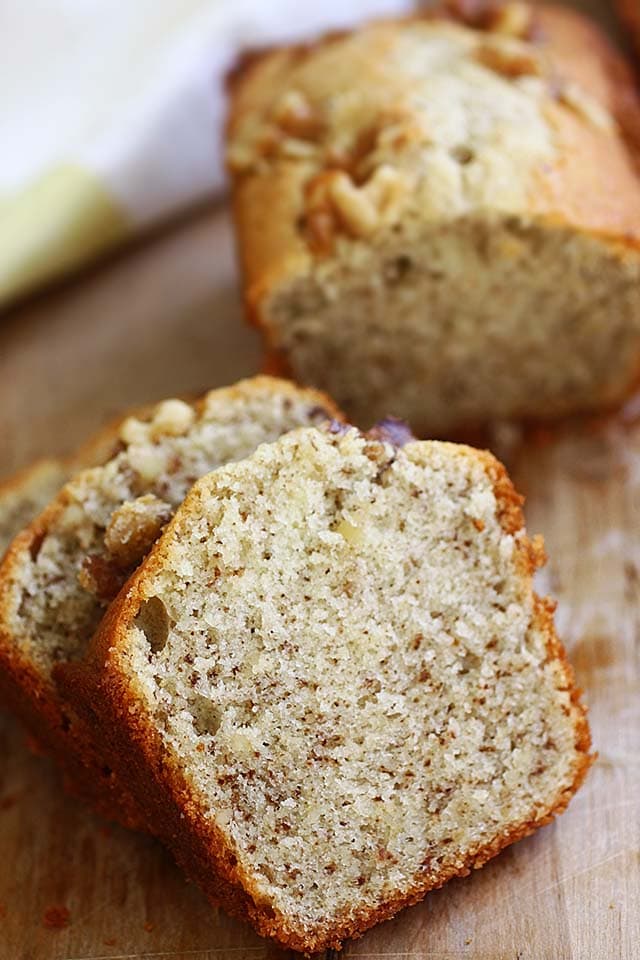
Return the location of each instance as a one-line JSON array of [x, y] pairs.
[[63, 569], [332, 686], [442, 220], [24, 495]]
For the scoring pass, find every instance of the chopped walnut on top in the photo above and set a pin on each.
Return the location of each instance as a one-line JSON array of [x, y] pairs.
[[171, 418], [352, 205], [515, 19], [292, 129], [335, 202], [510, 59], [296, 116]]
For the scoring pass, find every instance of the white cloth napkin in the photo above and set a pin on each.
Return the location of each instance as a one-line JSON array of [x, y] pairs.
[[112, 115]]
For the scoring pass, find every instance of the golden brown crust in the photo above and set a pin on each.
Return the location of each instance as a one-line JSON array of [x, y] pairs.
[[608, 207], [579, 52], [101, 681], [56, 726], [571, 193]]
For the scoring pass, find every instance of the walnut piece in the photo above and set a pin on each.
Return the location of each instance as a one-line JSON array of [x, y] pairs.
[[101, 577], [172, 418], [297, 117], [355, 209], [513, 19], [134, 527], [509, 61], [292, 131], [335, 202]]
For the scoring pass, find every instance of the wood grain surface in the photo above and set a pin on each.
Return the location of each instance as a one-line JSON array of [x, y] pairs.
[[164, 319]]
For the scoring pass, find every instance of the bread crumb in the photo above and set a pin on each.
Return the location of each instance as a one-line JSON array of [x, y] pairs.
[[56, 918]]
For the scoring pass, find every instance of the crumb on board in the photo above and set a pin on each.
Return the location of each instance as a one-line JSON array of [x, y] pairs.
[[56, 918]]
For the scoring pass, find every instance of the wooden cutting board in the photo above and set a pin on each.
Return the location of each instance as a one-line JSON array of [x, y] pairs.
[[165, 319]]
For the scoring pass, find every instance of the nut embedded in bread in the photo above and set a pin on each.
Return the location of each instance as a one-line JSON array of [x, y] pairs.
[[441, 221], [61, 572], [332, 685]]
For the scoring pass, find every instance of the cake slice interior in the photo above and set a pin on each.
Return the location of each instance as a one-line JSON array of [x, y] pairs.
[[336, 684]]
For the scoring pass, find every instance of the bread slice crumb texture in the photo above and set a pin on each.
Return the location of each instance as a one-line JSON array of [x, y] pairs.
[[339, 646], [62, 573]]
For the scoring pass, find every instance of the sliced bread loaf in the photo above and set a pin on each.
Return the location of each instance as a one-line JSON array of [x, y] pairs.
[[331, 684], [441, 220], [64, 568]]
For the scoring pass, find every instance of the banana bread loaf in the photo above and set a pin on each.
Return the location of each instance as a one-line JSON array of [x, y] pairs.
[[331, 684], [441, 220]]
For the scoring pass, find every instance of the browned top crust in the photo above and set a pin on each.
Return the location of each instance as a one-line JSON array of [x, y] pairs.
[[298, 176]]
